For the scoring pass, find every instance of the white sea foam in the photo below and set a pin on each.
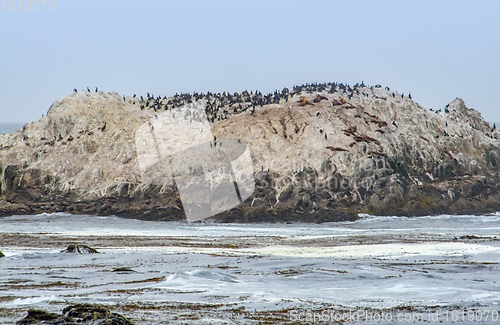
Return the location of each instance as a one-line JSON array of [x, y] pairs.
[[29, 301], [319, 263]]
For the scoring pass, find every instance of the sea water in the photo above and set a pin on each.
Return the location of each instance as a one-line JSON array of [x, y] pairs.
[[374, 262], [6, 128]]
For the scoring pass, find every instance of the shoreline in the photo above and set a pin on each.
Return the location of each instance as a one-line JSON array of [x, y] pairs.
[[246, 214]]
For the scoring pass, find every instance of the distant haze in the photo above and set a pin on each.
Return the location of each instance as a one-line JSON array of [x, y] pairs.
[[6, 128]]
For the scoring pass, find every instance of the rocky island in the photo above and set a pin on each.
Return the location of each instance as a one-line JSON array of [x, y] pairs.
[[320, 153]]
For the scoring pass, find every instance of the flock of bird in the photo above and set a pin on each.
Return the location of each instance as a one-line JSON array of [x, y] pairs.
[[220, 106]]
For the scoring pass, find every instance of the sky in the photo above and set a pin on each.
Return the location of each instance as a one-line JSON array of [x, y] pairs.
[[435, 50]]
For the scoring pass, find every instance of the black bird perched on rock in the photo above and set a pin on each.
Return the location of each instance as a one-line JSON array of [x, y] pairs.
[[88, 89], [96, 89], [75, 91], [134, 96]]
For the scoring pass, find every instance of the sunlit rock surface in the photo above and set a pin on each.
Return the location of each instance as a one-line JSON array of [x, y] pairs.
[[323, 154]]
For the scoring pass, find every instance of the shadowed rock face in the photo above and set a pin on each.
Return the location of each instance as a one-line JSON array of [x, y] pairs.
[[361, 150]]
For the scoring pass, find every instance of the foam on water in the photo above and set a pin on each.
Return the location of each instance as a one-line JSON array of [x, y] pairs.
[[67, 224], [30, 301], [312, 268]]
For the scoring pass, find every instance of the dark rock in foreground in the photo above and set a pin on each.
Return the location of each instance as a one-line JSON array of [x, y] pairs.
[[123, 269], [80, 249], [79, 314]]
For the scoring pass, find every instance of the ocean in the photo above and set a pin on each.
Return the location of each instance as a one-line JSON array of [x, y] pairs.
[[6, 128], [209, 273]]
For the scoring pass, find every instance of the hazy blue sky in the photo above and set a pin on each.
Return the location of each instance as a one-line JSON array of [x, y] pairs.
[[437, 50]]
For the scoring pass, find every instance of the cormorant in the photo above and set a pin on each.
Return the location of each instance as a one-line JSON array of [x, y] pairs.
[[75, 91], [134, 96], [88, 89], [96, 89]]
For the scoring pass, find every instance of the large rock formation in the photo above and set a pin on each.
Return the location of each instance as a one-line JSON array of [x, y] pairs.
[[328, 155]]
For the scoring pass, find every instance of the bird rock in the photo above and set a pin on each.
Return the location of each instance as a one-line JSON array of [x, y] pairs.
[[393, 161]]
